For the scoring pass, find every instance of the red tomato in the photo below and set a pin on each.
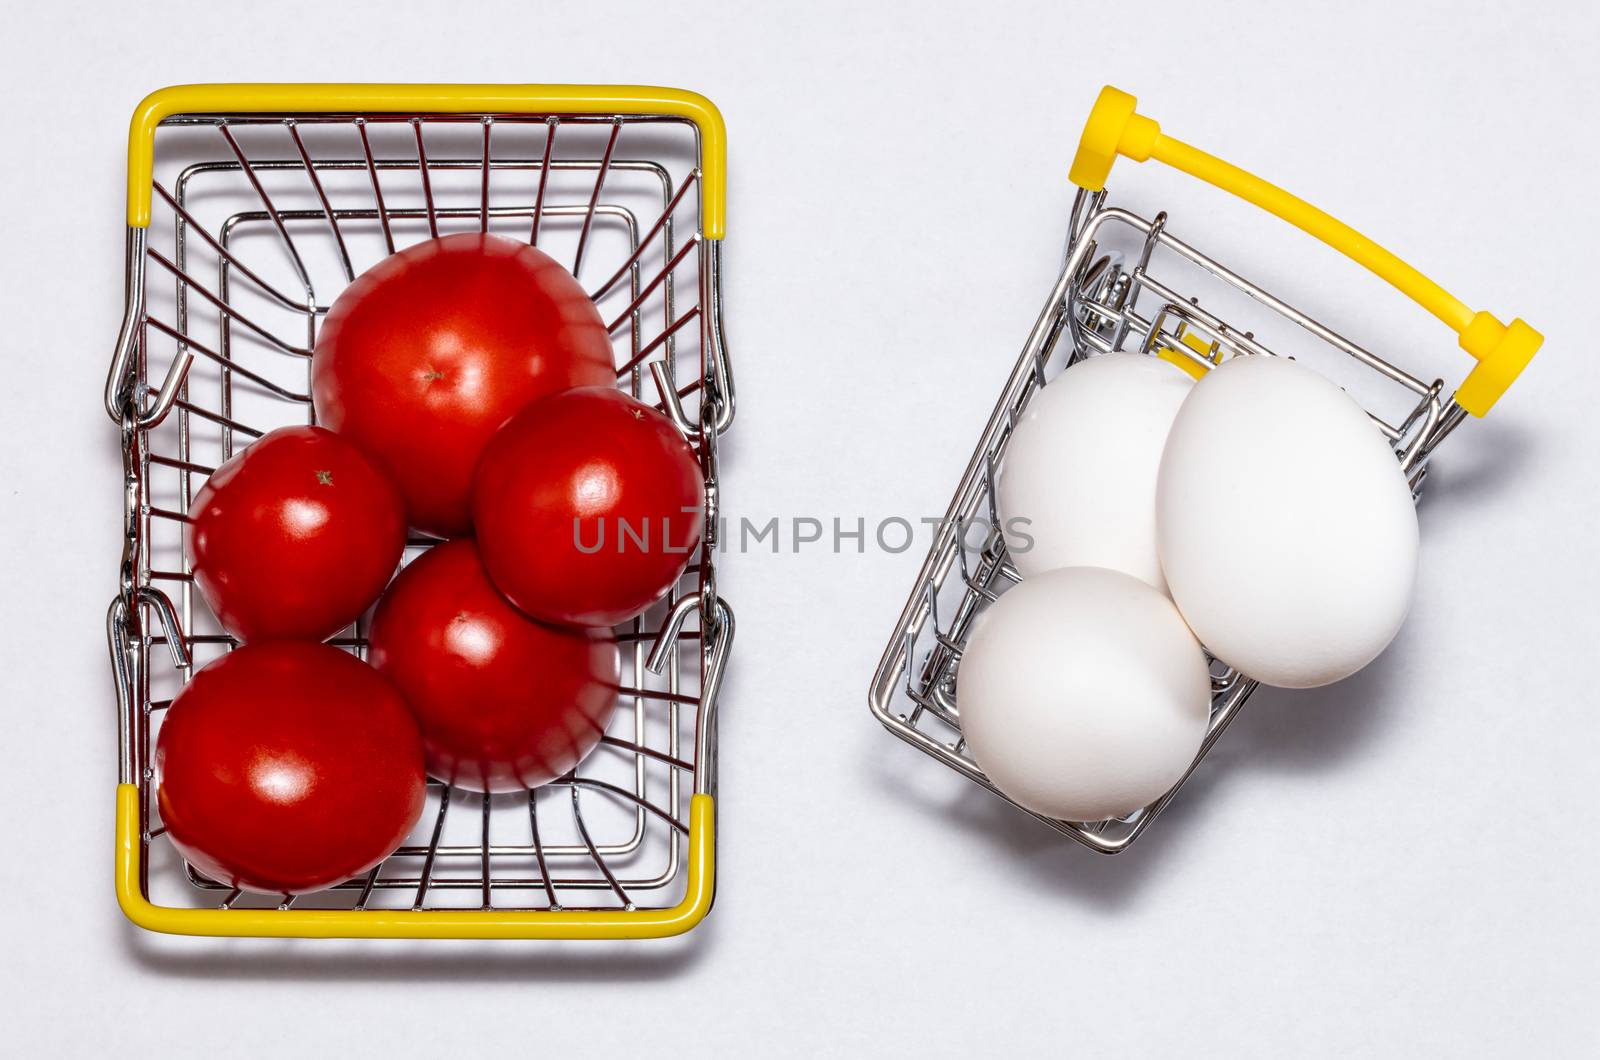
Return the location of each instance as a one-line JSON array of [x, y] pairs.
[[504, 702], [294, 537], [588, 506], [433, 348], [287, 767]]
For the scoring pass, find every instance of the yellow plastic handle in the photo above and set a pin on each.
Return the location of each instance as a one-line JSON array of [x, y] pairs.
[[429, 99], [1116, 128], [418, 923]]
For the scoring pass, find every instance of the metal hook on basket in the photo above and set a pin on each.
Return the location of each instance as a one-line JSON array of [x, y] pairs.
[[1085, 204], [670, 400], [721, 391], [122, 676], [120, 380], [705, 758], [1419, 445], [712, 608], [720, 629], [125, 665], [171, 628], [717, 391], [670, 628]]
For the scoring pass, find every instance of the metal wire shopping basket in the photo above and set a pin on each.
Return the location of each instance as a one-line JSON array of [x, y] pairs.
[[250, 207], [1101, 303]]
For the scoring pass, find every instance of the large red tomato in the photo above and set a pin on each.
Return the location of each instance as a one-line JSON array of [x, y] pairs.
[[294, 537], [504, 702], [588, 506], [287, 767], [432, 349]]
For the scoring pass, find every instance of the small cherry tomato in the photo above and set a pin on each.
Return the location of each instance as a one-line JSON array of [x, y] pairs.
[[588, 506], [295, 536], [287, 767], [427, 353], [504, 702]]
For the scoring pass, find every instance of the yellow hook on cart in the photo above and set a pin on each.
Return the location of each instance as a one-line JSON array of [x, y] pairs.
[[1502, 350]]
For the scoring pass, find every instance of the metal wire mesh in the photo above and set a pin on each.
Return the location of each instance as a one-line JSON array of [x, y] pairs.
[[1126, 299], [259, 221]]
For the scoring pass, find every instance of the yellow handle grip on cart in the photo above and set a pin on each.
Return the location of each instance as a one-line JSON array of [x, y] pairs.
[[1501, 350], [430, 99]]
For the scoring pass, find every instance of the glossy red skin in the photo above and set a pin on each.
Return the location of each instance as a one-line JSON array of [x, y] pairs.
[[427, 353], [287, 767], [504, 702], [294, 537], [558, 491]]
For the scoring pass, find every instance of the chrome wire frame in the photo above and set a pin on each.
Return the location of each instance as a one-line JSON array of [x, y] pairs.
[[1100, 306], [665, 724]]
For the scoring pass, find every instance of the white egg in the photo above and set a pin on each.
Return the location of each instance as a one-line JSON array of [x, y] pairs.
[[1287, 529], [1077, 487], [1082, 694]]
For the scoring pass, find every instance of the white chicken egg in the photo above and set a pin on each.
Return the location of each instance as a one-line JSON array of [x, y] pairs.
[[1287, 530], [1082, 694], [1077, 486]]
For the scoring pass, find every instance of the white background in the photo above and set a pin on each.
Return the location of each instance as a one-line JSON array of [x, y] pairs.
[[1401, 865]]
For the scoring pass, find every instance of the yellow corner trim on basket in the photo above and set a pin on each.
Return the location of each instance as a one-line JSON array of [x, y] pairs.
[[1115, 128], [418, 924], [430, 99]]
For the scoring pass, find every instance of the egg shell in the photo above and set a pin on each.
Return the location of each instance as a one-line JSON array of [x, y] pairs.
[[1287, 530], [1082, 694], [1082, 463]]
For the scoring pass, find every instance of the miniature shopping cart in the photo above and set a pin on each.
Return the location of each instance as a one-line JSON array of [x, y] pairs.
[[1100, 303], [250, 207]]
